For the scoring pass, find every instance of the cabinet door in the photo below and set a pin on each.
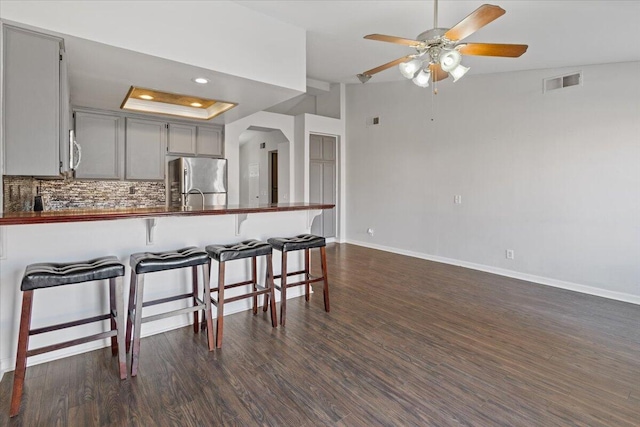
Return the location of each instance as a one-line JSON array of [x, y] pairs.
[[328, 148], [182, 139], [315, 194], [315, 147], [209, 142], [101, 139], [329, 196], [31, 103], [145, 149]]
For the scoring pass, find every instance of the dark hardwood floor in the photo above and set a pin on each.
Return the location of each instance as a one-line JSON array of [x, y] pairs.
[[408, 342]]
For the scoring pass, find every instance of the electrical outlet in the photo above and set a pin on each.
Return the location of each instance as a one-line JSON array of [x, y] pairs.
[[457, 199], [370, 231], [510, 254]]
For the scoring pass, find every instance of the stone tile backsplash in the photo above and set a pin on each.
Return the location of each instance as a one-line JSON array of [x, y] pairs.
[[80, 194]]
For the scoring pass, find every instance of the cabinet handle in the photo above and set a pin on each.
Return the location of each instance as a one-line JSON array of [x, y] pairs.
[[77, 147]]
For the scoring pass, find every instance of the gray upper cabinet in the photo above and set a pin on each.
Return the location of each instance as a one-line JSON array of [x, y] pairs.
[[209, 142], [182, 139], [32, 103], [192, 140], [101, 140], [145, 149]]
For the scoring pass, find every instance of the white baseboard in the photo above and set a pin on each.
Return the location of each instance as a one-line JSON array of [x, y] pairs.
[[618, 296]]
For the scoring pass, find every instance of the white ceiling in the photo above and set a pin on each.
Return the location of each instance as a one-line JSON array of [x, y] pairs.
[[101, 75], [559, 33]]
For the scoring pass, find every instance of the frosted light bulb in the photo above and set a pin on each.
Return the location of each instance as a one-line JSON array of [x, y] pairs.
[[409, 69], [458, 72], [422, 78]]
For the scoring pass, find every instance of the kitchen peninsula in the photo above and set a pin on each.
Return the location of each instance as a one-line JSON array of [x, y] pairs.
[[59, 236]]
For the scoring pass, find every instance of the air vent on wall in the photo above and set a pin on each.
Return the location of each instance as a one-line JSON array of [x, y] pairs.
[[562, 82]]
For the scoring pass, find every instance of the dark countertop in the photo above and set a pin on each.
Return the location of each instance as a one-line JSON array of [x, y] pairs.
[[77, 215]]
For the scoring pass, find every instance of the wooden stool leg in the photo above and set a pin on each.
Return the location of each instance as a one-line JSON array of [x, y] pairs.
[[323, 260], [112, 312], [137, 324], [268, 275], [272, 291], [208, 319], [132, 302], [220, 313], [119, 307], [21, 357], [194, 288], [254, 279], [283, 289], [306, 274]]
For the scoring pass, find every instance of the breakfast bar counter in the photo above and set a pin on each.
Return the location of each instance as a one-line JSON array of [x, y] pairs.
[[73, 235], [77, 215]]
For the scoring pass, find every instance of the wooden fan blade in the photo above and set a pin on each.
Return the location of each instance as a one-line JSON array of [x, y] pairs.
[[493, 49], [387, 65], [393, 39], [476, 20], [437, 73]]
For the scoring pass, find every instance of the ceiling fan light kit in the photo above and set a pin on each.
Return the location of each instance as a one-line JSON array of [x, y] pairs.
[[440, 50]]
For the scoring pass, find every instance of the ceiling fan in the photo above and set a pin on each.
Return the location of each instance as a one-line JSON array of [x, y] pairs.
[[439, 50]]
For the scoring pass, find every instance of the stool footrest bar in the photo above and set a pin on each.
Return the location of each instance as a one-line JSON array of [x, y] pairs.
[[243, 296], [102, 335], [173, 313], [164, 300], [295, 273], [234, 285], [70, 324]]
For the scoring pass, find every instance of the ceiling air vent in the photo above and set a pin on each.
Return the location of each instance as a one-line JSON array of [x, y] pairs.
[[561, 82]]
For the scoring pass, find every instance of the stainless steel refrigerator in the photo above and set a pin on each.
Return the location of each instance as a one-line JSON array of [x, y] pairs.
[[197, 182]]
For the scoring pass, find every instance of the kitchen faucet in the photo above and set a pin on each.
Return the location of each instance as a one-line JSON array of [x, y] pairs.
[[186, 197]]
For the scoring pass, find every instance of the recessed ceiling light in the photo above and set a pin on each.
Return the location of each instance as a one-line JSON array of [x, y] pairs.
[[139, 99], [201, 80]]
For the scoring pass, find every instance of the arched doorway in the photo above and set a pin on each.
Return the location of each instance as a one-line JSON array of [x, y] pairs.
[[263, 166]]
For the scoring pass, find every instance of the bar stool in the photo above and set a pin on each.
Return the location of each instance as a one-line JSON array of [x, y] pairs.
[[143, 263], [49, 275], [301, 242], [246, 249]]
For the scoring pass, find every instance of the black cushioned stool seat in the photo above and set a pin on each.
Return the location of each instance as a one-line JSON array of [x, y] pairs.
[[143, 263], [297, 243], [148, 262], [48, 275], [300, 242], [245, 249]]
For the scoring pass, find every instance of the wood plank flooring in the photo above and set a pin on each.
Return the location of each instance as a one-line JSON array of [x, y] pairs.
[[408, 343]]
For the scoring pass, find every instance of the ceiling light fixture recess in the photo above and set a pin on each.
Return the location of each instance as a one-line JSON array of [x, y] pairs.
[[201, 80], [157, 102]]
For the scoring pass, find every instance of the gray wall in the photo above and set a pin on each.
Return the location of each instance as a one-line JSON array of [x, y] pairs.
[[554, 176]]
